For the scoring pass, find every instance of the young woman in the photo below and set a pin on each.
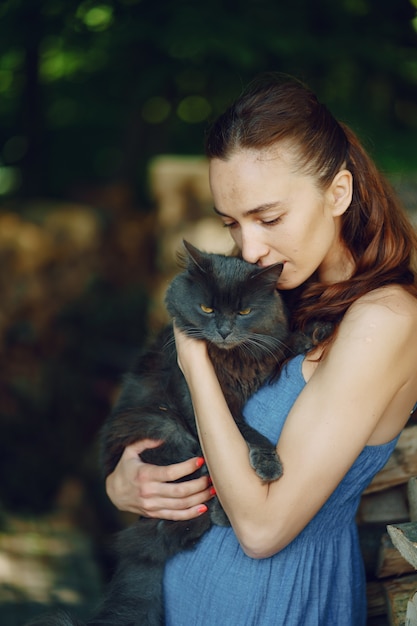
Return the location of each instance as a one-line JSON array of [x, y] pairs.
[[295, 186]]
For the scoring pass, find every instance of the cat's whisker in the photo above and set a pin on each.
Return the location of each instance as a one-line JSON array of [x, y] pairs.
[[247, 348], [268, 345], [169, 345], [195, 333]]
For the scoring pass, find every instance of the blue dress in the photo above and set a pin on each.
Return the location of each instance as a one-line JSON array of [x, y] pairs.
[[317, 580]]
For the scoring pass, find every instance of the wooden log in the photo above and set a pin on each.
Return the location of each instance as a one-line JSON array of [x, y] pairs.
[[404, 537], [370, 540], [411, 616], [401, 466], [389, 506], [390, 561], [375, 599], [412, 498], [398, 592]]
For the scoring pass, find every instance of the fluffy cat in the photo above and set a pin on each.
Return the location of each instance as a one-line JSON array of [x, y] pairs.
[[235, 307]]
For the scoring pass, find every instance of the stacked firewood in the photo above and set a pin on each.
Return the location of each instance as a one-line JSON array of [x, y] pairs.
[[74, 283], [387, 521], [404, 537]]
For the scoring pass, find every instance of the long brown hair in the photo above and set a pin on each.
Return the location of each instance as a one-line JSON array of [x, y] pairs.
[[375, 227]]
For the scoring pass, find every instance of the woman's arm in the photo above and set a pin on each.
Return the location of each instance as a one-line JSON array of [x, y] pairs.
[[368, 373], [148, 490]]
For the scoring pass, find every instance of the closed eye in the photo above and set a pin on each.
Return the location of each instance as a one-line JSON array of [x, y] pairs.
[[276, 220], [264, 222], [245, 311], [206, 309]]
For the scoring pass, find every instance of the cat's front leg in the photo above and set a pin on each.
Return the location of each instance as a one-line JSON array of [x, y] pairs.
[[262, 453], [266, 462]]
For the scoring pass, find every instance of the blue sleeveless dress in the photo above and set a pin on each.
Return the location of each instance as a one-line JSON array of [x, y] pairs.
[[317, 580]]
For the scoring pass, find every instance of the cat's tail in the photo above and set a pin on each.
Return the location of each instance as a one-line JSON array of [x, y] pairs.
[[62, 618], [58, 618], [134, 598]]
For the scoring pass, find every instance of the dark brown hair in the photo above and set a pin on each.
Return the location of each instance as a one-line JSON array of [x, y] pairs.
[[375, 228]]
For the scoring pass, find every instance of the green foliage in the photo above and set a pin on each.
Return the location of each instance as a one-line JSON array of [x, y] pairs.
[[93, 89]]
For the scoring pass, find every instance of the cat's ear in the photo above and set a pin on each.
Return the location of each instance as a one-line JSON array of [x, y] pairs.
[[270, 274], [194, 255]]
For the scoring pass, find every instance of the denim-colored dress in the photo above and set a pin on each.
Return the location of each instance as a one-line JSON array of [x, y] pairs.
[[317, 580]]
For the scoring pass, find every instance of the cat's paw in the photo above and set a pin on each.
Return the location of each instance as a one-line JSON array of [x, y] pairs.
[[266, 463]]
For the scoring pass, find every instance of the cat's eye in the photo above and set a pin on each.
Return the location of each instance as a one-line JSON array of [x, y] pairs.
[[206, 309], [245, 311]]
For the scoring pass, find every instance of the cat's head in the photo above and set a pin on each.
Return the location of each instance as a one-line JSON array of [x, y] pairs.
[[227, 301]]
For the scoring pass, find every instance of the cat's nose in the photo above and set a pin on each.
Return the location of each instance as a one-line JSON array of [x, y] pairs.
[[224, 329]]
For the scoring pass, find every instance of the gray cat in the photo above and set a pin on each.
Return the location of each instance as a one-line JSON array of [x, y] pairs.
[[235, 307]]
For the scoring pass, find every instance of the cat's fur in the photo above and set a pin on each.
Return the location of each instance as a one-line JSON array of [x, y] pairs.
[[245, 326]]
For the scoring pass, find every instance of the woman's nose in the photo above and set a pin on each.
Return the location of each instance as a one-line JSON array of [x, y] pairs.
[[253, 249]]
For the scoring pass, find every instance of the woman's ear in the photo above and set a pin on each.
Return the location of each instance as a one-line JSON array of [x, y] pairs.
[[341, 191]]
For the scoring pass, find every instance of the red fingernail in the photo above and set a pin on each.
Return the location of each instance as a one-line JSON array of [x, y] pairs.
[[202, 509], [213, 491], [200, 461]]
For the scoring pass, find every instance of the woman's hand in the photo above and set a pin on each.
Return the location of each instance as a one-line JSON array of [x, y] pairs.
[[190, 352], [148, 490]]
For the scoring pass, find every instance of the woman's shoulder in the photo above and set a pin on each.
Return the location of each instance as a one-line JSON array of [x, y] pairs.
[[371, 363], [381, 317], [377, 338], [381, 333], [391, 306]]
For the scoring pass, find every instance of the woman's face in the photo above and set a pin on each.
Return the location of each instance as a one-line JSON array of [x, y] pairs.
[[276, 214]]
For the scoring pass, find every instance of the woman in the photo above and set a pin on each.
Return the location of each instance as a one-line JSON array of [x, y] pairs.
[[294, 186]]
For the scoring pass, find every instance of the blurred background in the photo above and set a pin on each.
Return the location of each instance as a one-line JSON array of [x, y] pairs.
[[103, 109]]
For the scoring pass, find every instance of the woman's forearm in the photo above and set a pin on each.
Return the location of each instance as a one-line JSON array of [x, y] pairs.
[[251, 505], [239, 489]]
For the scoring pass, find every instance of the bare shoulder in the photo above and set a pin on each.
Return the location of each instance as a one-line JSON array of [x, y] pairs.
[[380, 328], [381, 324], [390, 308], [393, 296], [373, 360]]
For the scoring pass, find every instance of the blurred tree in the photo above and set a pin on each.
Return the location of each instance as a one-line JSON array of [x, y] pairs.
[[91, 90]]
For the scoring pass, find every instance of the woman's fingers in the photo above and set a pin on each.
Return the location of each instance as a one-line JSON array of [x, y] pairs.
[[171, 473], [175, 501], [183, 515], [149, 490]]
